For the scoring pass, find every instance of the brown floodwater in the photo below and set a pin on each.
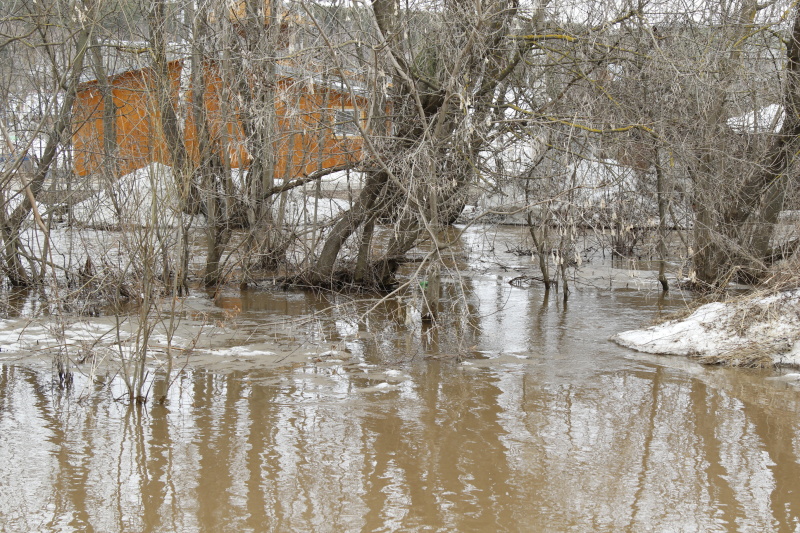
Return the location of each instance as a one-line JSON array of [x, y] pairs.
[[305, 412]]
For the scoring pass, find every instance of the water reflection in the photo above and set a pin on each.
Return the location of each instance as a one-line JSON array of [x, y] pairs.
[[545, 426], [448, 447]]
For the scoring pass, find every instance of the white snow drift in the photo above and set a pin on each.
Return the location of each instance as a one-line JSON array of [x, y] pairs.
[[736, 333]]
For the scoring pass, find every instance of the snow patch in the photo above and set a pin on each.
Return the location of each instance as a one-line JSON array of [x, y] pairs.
[[765, 119], [135, 199], [245, 351], [723, 332]]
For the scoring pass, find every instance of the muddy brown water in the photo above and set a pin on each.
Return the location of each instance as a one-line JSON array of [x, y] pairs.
[[303, 415]]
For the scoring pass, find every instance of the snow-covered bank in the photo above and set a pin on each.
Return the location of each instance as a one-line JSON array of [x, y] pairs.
[[753, 331], [150, 193]]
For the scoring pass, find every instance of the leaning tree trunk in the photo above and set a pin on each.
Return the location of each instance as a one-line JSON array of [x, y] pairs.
[[12, 225], [736, 236], [762, 197], [350, 221], [427, 113]]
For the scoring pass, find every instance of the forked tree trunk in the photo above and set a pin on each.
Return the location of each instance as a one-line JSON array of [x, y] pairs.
[[349, 222]]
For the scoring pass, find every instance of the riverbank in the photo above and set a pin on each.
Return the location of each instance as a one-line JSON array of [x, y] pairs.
[[759, 330]]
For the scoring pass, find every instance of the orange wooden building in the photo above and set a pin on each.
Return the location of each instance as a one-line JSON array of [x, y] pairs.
[[315, 127]]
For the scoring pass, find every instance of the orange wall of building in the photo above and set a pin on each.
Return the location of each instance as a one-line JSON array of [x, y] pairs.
[[304, 139]]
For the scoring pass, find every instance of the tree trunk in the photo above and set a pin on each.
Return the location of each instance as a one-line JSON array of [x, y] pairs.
[[663, 201], [737, 237], [366, 203], [170, 125], [364, 252], [762, 197], [12, 224], [540, 243]]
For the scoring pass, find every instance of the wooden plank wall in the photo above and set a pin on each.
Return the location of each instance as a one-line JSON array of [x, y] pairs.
[[304, 139]]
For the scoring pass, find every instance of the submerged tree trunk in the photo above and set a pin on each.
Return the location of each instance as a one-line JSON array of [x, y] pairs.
[[441, 120], [364, 252], [366, 203], [663, 201], [540, 244]]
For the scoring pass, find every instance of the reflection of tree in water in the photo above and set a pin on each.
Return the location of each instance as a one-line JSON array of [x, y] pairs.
[[440, 445], [449, 448], [669, 453], [69, 455]]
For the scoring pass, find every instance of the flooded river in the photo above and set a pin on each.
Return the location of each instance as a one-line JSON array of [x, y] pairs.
[[301, 412]]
